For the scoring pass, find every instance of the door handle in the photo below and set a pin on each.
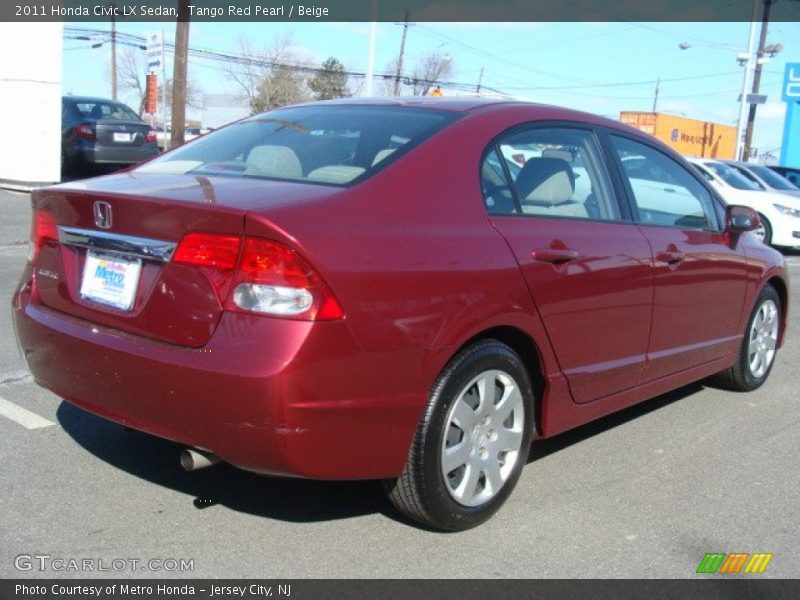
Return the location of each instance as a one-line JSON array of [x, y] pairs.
[[555, 255], [670, 257]]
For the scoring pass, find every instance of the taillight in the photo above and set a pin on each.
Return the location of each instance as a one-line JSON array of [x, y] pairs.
[[85, 131], [259, 276], [151, 136], [43, 228], [216, 254]]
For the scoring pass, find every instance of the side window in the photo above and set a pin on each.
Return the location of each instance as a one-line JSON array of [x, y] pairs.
[[496, 189], [555, 172], [664, 191]]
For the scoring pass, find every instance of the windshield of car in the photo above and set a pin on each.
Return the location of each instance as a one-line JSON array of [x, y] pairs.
[[730, 176], [318, 144], [774, 180], [94, 111]]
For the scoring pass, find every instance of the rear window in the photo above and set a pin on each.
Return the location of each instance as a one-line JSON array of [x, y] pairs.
[[94, 111], [319, 144]]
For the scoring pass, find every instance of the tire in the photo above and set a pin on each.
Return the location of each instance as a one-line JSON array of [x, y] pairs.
[[766, 236], [486, 439], [759, 346]]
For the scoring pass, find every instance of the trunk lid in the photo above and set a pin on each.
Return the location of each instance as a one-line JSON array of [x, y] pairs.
[[117, 235], [118, 132]]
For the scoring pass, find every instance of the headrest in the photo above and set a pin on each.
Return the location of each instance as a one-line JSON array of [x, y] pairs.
[[335, 174], [381, 155], [546, 180], [276, 161]]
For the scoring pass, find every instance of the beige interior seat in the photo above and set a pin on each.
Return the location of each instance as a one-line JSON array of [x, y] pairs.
[[335, 174], [275, 161], [546, 186], [382, 154]]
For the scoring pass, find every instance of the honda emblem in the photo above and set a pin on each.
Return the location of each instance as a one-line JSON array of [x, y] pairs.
[[102, 215]]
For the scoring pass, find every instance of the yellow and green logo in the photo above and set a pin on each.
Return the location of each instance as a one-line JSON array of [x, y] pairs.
[[734, 563]]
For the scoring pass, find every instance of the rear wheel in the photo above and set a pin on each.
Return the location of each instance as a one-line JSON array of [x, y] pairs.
[[472, 441], [759, 345]]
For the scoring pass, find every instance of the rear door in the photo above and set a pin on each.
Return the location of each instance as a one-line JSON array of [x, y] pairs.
[[700, 273], [587, 266]]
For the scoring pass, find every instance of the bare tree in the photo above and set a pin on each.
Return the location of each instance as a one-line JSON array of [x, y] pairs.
[[272, 77], [132, 73], [283, 86], [430, 71], [387, 84]]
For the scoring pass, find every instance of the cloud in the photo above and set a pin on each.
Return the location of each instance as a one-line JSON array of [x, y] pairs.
[[773, 111]]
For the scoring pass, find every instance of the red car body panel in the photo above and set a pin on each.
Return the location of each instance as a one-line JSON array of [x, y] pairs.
[[419, 269]]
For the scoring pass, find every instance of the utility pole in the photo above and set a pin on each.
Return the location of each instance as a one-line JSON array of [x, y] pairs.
[[400, 60], [179, 75], [480, 79], [655, 98], [113, 53], [751, 117]]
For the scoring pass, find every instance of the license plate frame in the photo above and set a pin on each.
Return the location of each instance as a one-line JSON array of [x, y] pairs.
[[110, 280]]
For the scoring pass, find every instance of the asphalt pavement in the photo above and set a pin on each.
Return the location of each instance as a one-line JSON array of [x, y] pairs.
[[641, 494]]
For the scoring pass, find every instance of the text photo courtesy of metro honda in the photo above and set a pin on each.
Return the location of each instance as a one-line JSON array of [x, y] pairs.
[[330, 291]]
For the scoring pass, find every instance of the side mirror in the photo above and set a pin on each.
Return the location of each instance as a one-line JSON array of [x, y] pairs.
[[739, 219]]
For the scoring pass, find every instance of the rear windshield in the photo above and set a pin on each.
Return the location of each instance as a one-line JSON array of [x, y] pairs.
[[319, 144], [94, 111]]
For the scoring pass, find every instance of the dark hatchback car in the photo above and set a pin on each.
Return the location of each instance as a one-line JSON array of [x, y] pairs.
[[386, 290], [102, 133]]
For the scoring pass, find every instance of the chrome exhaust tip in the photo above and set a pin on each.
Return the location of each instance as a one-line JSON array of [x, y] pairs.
[[193, 459]]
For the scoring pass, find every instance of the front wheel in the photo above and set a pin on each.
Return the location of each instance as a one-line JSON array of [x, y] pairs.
[[764, 231], [472, 440], [759, 346]]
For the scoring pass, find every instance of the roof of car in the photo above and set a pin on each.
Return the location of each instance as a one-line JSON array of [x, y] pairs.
[[472, 104]]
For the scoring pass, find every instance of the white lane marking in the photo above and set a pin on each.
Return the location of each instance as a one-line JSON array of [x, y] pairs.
[[24, 417]]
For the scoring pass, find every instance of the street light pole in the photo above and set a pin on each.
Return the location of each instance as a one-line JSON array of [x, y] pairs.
[[745, 82]]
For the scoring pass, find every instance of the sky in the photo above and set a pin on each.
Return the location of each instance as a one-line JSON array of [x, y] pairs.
[[602, 68]]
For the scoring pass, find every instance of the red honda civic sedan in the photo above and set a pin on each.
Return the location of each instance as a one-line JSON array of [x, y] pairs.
[[405, 290]]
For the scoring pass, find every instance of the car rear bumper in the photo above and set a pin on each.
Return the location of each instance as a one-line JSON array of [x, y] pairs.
[[122, 155], [275, 396]]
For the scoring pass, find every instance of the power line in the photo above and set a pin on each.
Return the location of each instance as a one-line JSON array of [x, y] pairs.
[[230, 58]]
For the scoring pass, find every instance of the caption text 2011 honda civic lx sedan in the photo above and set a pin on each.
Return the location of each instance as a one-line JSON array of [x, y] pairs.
[[403, 290]]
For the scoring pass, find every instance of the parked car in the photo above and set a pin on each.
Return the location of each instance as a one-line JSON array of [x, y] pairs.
[[765, 178], [99, 132], [779, 214], [790, 173], [329, 291]]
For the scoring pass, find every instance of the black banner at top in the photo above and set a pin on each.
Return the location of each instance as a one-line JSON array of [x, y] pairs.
[[395, 10]]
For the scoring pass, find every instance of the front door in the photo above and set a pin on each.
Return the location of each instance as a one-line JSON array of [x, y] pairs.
[[700, 278]]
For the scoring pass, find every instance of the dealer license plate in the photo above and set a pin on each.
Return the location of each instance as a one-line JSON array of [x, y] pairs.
[[110, 280]]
